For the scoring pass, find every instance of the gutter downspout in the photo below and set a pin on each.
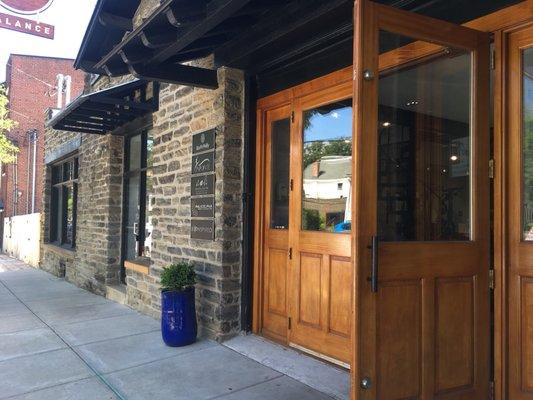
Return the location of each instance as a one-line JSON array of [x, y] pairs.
[[249, 125], [34, 137], [28, 136]]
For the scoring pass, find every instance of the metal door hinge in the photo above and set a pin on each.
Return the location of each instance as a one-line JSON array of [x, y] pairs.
[[289, 322], [491, 390], [291, 185], [292, 116], [492, 59], [290, 253], [492, 283], [491, 168]]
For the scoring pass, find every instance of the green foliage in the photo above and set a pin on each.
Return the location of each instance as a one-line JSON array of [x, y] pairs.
[[311, 220], [316, 150], [8, 150], [178, 277]]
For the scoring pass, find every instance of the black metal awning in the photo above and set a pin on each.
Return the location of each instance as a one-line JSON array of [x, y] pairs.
[[107, 110], [278, 41]]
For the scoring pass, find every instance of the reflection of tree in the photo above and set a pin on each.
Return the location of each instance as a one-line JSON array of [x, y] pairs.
[[316, 150]]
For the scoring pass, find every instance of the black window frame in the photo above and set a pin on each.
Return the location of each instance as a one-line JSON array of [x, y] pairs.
[[142, 173], [60, 184]]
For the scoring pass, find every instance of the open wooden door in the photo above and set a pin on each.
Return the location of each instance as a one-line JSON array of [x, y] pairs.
[[520, 213], [421, 101]]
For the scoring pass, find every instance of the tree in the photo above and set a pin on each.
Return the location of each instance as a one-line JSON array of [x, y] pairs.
[[8, 151], [316, 150]]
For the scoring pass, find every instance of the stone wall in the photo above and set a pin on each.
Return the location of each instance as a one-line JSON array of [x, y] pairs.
[[95, 262], [183, 112]]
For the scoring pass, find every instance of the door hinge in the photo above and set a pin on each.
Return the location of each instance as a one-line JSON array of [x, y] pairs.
[[289, 322], [491, 168], [492, 283], [290, 253], [492, 59], [491, 390], [292, 116], [291, 185]]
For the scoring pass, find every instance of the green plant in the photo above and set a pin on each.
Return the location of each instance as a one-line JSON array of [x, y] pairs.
[[8, 151], [178, 277]]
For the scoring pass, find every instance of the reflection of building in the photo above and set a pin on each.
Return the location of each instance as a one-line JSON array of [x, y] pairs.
[[327, 187]]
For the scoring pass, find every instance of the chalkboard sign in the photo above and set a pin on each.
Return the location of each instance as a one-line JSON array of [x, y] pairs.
[[203, 207], [203, 185], [203, 141], [203, 229], [202, 163]]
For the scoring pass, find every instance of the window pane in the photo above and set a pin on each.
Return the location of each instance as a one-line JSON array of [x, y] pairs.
[[280, 156], [135, 152], [68, 212], [68, 171], [132, 216], [56, 174], [327, 168], [55, 215], [147, 250], [424, 146], [149, 152], [527, 130]]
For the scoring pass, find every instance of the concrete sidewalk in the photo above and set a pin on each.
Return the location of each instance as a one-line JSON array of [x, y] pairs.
[[60, 342]]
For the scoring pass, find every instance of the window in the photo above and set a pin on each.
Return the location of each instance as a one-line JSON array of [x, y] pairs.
[[63, 203], [138, 195]]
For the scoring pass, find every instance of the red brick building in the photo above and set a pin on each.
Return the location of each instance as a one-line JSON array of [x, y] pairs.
[[32, 84]]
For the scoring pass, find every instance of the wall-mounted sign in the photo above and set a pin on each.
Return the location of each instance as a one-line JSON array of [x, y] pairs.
[[26, 7], [203, 229], [202, 163], [202, 185], [20, 24], [203, 141], [203, 207]]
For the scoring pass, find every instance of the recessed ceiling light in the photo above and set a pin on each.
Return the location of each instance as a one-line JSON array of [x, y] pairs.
[[454, 158], [386, 124]]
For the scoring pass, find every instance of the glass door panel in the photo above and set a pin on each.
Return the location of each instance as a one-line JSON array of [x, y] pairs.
[[327, 168], [424, 114]]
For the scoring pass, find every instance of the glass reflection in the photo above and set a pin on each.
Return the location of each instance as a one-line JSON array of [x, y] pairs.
[[327, 168], [280, 156], [424, 147], [527, 130]]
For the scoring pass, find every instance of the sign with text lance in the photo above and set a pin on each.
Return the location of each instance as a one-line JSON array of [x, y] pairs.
[[203, 207], [203, 163], [203, 141], [23, 25], [203, 229], [203, 185]]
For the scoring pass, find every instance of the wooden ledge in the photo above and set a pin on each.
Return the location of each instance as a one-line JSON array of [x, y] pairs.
[[140, 265], [59, 250]]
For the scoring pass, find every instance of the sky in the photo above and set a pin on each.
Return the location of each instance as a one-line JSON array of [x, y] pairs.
[[337, 124], [70, 18]]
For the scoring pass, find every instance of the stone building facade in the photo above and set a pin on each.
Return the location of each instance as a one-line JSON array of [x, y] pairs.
[[95, 262]]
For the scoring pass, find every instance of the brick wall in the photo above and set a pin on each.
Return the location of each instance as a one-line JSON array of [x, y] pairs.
[[31, 81]]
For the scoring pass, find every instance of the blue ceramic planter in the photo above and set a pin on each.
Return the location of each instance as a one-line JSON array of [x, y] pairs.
[[178, 319]]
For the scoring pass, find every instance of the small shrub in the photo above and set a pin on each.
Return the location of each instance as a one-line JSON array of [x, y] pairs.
[[178, 277]]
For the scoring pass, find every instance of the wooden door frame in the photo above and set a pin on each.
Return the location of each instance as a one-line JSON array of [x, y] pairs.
[[284, 98], [500, 23]]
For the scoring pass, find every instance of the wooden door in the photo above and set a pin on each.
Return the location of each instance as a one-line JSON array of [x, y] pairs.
[[421, 324], [275, 206], [320, 224], [520, 213]]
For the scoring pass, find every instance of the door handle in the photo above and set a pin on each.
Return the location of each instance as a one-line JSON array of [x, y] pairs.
[[375, 264]]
